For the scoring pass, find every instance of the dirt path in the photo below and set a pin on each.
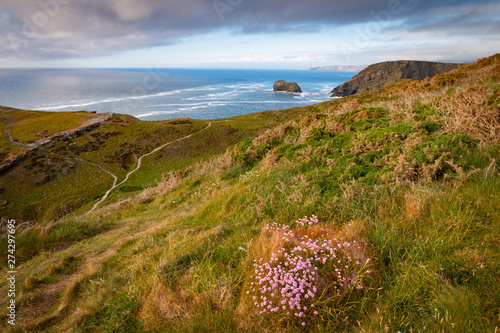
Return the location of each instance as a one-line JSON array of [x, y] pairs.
[[97, 165], [139, 162], [6, 132]]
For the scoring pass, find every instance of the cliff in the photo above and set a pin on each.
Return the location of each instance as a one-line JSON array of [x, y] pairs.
[[381, 74]]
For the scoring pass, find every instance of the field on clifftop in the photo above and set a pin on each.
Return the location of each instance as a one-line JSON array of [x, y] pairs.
[[400, 187]]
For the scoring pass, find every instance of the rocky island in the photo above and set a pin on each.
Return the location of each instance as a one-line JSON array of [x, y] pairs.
[[283, 86], [381, 74]]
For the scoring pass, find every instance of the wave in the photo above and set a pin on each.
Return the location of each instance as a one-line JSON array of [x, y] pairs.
[[203, 88], [202, 106], [267, 102], [216, 96], [176, 104], [247, 86], [103, 101], [194, 106], [114, 100], [154, 113]]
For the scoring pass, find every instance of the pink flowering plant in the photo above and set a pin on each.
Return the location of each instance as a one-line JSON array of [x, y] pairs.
[[310, 271]]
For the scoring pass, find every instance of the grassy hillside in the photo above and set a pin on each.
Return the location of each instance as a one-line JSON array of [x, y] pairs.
[[405, 185], [54, 180]]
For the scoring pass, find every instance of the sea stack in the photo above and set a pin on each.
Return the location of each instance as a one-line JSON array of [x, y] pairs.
[[291, 87]]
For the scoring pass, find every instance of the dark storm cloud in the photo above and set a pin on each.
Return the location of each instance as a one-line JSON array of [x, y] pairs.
[[44, 29], [465, 19]]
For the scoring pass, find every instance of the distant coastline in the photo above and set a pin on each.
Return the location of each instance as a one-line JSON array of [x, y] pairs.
[[340, 68]]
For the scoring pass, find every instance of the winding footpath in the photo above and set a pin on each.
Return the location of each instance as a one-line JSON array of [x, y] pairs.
[[34, 146], [6, 132], [139, 162]]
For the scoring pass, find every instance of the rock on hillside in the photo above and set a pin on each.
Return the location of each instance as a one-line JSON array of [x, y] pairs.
[[381, 74], [284, 86]]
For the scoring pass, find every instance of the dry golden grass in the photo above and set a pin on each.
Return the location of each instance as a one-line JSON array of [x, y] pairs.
[[468, 112], [490, 170], [274, 134], [461, 175], [270, 160], [413, 207], [170, 302], [350, 103], [429, 172]]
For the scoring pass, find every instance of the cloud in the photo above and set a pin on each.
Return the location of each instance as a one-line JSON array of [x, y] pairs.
[[83, 28], [461, 52], [48, 29], [461, 20]]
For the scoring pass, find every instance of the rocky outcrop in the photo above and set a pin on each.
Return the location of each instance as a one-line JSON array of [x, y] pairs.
[[284, 86], [16, 160], [381, 74]]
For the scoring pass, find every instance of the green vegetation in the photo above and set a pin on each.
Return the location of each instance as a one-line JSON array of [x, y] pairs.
[[5, 146], [47, 187], [34, 125], [54, 181], [410, 171]]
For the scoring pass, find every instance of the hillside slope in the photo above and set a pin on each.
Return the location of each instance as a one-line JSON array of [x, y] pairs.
[[381, 74], [405, 185], [49, 158]]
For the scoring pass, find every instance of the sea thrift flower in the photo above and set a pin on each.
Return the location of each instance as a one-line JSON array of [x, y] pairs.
[[291, 277]]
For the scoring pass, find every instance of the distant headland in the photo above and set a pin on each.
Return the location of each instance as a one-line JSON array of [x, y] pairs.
[[340, 68]]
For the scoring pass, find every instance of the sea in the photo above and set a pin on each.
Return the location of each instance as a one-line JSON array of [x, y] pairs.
[[162, 94]]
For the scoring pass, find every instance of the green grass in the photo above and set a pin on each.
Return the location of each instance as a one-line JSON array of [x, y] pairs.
[[5, 146], [58, 236], [30, 126], [445, 255], [383, 167], [32, 199]]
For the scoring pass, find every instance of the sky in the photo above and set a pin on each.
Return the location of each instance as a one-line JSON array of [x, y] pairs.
[[244, 33]]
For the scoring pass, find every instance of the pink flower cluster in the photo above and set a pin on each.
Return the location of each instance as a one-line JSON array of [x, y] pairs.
[[308, 221], [288, 284]]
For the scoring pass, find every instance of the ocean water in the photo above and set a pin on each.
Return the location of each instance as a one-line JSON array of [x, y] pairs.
[[161, 94]]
